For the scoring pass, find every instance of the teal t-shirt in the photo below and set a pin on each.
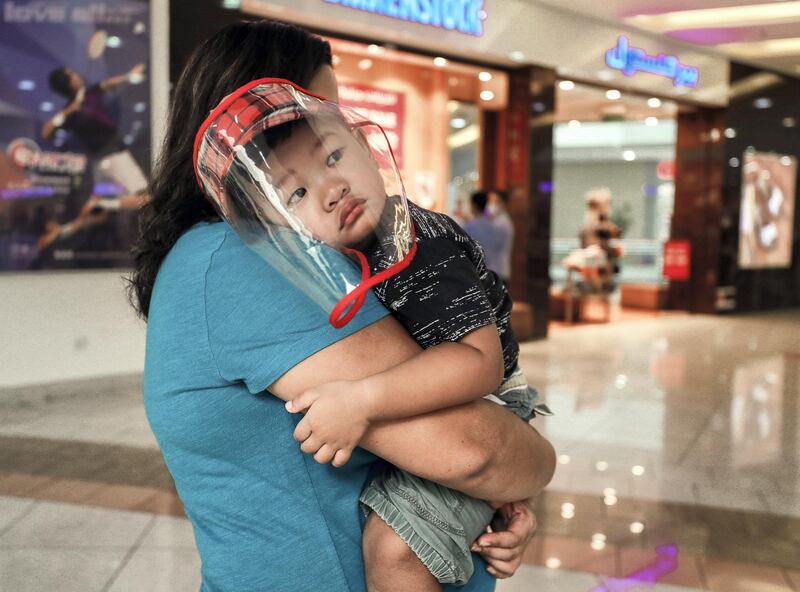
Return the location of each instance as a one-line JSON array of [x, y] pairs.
[[223, 325]]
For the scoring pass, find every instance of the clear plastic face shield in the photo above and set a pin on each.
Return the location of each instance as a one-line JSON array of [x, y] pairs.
[[310, 186]]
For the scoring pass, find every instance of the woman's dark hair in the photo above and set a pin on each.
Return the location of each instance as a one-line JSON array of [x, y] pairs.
[[231, 58], [59, 83]]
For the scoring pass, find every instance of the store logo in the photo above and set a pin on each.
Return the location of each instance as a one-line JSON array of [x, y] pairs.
[[26, 154], [630, 60], [464, 16]]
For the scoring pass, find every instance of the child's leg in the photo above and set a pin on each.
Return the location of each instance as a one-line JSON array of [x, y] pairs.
[[390, 564], [419, 533]]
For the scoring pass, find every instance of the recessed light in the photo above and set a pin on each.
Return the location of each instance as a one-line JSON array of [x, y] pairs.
[[487, 95], [574, 123], [26, 85], [651, 121], [374, 49], [637, 527], [628, 155], [517, 56], [789, 122], [458, 122], [485, 76], [439, 62], [365, 64], [613, 94], [653, 103], [566, 85], [762, 103], [730, 133]]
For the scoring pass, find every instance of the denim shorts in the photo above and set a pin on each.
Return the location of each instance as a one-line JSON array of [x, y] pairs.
[[439, 524]]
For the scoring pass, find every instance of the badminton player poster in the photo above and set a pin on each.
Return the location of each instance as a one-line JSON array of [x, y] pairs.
[[74, 131], [766, 217]]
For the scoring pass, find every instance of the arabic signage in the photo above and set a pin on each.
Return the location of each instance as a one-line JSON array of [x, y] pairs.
[[630, 60], [464, 16]]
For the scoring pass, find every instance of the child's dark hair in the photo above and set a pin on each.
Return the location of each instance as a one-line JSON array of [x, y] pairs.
[[237, 54], [479, 200]]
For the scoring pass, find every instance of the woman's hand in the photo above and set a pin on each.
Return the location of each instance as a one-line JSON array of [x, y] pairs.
[[334, 424], [503, 549]]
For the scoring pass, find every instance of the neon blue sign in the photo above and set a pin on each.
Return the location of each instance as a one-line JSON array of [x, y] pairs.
[[464, 16], [630, 60]]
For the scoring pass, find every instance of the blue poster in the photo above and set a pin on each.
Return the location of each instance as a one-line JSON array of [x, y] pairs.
[[74, 131]]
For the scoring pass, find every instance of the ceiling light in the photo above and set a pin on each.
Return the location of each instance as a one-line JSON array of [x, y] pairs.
[[601, 465], [610, 500], [789, 122], [637, 470], [46, 106], [336, 60], [26, 85], [439, 62], [374, 49], [613, 94], [730, 133], [564, 459], [786, 160], [651, 121], [487, 95], [113, 42], [365, 64], [653, 103], [752, 15], [734, 162], [605, 74], [762, 103], [485, 76], [517, 56], [458, 123], [574, 123], [609, 492], [772, 48], [637, 527], [628, 155], [566, 85]]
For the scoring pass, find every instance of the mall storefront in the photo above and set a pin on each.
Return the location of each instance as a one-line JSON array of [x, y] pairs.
[[477, 102]]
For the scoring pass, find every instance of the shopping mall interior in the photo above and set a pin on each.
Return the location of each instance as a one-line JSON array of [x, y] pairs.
[[645, 159]]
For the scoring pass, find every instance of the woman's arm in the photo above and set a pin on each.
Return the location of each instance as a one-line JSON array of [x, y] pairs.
[[478, 448]]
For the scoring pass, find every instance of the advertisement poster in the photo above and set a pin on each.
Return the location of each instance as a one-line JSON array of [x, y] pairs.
[[387, 108], [767, 210], [75, 133]]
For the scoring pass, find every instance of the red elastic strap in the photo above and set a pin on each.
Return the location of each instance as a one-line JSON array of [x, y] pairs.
[[349, 305]]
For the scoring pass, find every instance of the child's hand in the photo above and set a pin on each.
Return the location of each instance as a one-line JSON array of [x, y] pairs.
[[335, 421]]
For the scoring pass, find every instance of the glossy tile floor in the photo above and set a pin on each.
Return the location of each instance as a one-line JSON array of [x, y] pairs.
[[679, 454]]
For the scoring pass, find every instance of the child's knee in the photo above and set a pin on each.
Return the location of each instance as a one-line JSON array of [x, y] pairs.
[[383, 546]]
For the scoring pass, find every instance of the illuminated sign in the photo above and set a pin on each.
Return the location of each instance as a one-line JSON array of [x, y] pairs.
[[630, 60], [464, 16]]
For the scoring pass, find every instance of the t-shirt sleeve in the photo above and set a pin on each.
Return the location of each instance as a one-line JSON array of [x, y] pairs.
[[440, 296], [259, 324]]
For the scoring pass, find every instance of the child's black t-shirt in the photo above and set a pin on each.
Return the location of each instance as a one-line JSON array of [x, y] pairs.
[[446, 292]]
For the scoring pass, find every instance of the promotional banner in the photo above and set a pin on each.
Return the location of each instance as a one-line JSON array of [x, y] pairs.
[[766, 215], [74, 133], [387, 108]]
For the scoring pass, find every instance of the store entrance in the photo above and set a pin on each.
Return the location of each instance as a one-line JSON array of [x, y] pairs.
[[613, 195]]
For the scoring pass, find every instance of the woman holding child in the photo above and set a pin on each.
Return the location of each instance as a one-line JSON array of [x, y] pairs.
[[231, 339]]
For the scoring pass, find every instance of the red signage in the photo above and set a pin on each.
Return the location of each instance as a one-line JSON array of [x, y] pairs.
[[665, 170], [677, 259], [387, 108]]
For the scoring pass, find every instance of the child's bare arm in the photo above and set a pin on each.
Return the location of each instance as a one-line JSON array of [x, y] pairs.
[[446, 375]]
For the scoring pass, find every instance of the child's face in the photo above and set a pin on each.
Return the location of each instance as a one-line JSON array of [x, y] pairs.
[[329, 181]]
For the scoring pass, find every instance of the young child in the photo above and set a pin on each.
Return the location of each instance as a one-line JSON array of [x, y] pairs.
[[452, 305], [322, 181]]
